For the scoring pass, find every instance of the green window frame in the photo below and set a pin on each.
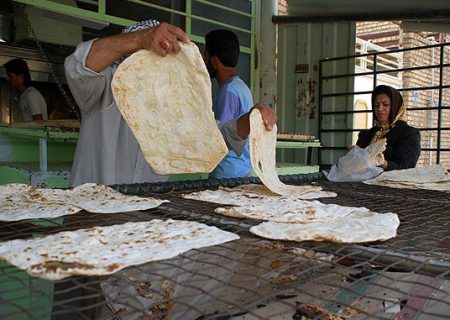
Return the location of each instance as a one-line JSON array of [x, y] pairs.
[[190, 15]]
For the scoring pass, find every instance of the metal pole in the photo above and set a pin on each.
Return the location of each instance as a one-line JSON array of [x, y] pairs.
[[267, 43], [43, 155]]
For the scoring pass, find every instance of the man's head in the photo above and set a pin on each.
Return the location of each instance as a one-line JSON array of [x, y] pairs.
[[17, 73], [222, 45]]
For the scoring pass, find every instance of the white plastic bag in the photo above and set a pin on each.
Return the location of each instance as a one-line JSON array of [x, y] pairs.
[[353, 167]]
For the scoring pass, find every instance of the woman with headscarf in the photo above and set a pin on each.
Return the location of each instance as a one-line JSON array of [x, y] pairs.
[[403, 141]]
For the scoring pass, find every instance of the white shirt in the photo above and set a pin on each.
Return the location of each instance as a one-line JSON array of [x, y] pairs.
[[31, 102], [107, 151]]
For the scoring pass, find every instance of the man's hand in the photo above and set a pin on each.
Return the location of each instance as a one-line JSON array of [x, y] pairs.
[[243, 123], [268, 115], [163, 39]]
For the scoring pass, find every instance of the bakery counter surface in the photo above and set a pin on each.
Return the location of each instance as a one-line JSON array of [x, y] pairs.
[[38, 152], [406, 277]]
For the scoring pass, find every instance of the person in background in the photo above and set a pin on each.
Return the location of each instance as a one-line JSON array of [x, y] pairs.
[[403, 141], [233, 98], [107, 151], [31, 102]]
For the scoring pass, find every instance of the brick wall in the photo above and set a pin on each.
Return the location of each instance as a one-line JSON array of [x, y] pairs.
[[389, 34]]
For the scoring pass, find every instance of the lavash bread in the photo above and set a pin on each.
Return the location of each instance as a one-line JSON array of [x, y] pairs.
[[375, 151], [15, 206], [290, 211], [104, 250], [433, 177], [249, 194], [256, 202], [166, 101], [262, 153], [354, 228], [257, 189], [95, 198], [289, 218]]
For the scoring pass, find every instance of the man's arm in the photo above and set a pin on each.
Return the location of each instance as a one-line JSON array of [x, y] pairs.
[[162, 39], [236, 131]]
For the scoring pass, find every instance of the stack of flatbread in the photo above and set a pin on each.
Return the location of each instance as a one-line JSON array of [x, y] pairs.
[[433, 177], [262, 153], [375, 151], [254, 201], [20, 201], [105, 250], [249, 194], [166, 101], [290, 218]]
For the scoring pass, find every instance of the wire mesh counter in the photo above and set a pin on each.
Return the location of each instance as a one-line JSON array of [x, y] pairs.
[[407, 277]]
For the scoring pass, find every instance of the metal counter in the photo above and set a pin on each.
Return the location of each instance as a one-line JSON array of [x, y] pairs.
[[407, 277]]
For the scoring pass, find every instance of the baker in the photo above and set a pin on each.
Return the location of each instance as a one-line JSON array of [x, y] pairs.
[[233, 97], [107, 151], [31, 102]]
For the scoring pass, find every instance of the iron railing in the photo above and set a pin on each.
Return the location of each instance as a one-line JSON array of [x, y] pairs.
[[396, 71]]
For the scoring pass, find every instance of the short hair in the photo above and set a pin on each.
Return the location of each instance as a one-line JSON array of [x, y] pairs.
[[223, 44], [393, 94], [19, 66]]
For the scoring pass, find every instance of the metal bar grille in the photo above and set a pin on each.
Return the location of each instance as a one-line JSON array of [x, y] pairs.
[[253, 278], [330, 111]]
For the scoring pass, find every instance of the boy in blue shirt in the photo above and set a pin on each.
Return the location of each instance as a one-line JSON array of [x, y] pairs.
[[233, 98]]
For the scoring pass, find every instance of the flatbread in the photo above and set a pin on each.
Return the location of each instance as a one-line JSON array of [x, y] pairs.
[[375, 150], [262, 153], [354, 228], [95, 198], [226, 196], [167, 103], [250, 194], [105, 250], [290, 211], [257, 202], [14, 205], [263, 190], [433, 177]]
